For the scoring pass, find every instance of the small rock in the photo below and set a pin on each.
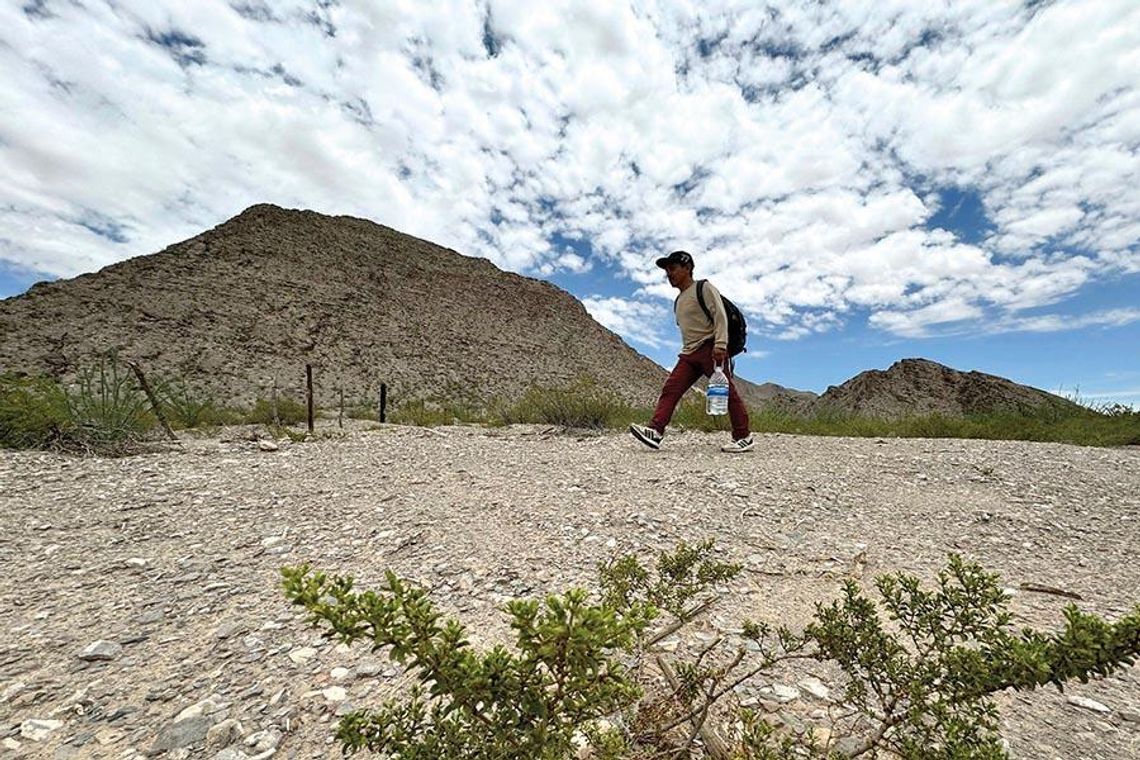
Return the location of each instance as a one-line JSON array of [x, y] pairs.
[[207, 706], [183, 733], [267, 445], [147, 618], [367, 669], [101, 650], [263, 741], [229, 753], [38, 730], [785, 693], [344, 708], [1128, 715], [814, 687], [335, 694], [10, 744], [301, 655], [339, 674], [225, 630], [224, 734], [1089, 704], [138, 563], [11, 691]]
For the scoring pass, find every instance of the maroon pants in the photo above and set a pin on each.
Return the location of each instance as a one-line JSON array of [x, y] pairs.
[[689, 368]]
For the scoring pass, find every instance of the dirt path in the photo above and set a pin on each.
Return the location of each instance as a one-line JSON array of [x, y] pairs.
[[173, 558]]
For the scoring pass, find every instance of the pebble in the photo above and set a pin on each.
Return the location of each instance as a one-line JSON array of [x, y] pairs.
[[37, 730], [263, 741], [335, 694], [301, 655], [1089, 704], [223, 734], [339, 674], [784, 693], [814, 687], [101, 650], [267, 445]]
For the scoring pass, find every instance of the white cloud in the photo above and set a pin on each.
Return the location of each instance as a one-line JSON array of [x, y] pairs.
[[1058, 322], [797, 150]]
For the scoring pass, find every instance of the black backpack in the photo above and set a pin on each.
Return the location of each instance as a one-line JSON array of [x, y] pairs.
[[737, 327]]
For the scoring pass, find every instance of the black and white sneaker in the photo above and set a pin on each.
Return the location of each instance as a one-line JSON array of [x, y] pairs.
[[740, 446], [646, 435]]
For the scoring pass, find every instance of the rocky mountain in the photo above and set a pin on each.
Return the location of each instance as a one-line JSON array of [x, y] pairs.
[[920, 386], [247, 304]]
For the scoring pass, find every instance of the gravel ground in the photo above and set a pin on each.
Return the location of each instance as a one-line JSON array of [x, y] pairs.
[[171, 559]]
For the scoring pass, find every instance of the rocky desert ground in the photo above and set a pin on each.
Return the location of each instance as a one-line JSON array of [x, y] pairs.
[[142, 615]]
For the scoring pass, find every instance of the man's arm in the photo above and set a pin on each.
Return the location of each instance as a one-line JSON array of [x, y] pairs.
[[720, 323]]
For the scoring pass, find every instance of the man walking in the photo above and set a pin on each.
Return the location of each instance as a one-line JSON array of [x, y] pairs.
[[704, 344]]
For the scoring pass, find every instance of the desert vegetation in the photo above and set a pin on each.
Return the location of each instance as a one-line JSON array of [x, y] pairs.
[[919, 667], [105, 411]]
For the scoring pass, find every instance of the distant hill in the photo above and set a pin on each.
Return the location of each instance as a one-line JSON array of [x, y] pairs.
[[920, 386], [250, 302]]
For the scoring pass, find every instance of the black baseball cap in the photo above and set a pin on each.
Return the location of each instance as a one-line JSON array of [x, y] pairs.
[[676, 257]]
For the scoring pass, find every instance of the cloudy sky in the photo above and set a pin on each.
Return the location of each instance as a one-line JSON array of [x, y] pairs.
[[958, 180]]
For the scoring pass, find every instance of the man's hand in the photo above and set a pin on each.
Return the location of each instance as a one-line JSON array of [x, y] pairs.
[[720, 356]]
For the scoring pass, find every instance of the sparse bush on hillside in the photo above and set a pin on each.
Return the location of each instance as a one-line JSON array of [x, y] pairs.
[[918, 684]]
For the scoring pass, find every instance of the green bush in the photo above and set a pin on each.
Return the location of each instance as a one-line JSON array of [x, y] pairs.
[[33, 412], [690, 414], [289, 412], [109, 412], [582, 404], [188, 407], [104, 412], [433, 413], [918, 685], [1082, 427]]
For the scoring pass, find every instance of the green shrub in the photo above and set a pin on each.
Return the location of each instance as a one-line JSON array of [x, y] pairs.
[[33, 412], [918, 685], [104, 412], [522, 703], [582, 404], [109, 412], [189, 407], [432, 413], [289, 412], [690, 414]]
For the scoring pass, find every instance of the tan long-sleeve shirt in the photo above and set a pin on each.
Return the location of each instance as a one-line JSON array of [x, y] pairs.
[[695, 326]]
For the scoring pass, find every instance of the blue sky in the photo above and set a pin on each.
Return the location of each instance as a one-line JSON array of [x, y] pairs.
[[869, 181]]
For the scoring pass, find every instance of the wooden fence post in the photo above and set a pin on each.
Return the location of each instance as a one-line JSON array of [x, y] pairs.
[[340, 417], [383, 400], [309, 392], [276, 417]]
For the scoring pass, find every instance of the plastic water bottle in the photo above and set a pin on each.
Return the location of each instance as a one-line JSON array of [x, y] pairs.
[[716, 398]]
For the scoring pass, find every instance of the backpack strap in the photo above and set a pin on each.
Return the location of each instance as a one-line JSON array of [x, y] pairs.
[[701, 300]]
